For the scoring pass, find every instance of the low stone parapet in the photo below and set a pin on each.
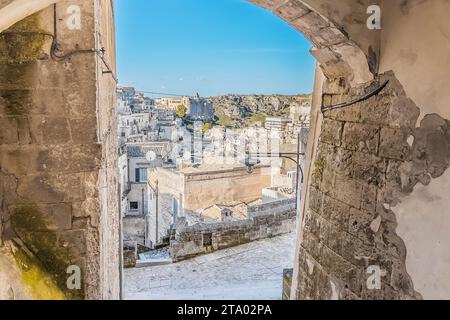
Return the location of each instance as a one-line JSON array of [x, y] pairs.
[[265, 221]]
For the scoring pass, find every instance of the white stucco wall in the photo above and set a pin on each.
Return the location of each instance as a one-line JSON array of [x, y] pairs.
[[415, 44], [424, 225]]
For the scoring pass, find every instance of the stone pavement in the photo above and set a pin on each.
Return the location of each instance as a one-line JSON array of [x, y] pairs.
[[249, 272]]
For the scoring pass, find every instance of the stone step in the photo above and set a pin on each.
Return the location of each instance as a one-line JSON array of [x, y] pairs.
[[152, 263]]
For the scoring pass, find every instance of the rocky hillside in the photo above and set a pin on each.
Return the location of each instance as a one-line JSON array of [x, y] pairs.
[[238, 110]]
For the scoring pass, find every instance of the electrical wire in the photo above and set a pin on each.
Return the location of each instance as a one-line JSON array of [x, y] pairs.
[[163, 93], [363, 98], [54, 48]]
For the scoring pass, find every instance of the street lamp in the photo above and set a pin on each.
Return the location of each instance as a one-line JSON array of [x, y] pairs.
[[252, 159], [250, 163]]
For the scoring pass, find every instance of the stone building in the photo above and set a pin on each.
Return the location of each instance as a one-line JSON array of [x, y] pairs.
[[231, 212], [300, 114], [170, 104], [198, 109], [277, 123], [188, 191], [133, 125], [140, 157], [377, 178]]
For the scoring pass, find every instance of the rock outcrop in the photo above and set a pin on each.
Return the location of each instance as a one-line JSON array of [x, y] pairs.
[[237, 108]]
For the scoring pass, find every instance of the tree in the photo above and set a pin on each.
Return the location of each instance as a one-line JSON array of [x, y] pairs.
[[206, 127], [181, 111]]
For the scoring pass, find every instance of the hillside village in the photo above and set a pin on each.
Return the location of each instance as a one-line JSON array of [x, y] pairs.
[[182, 167]]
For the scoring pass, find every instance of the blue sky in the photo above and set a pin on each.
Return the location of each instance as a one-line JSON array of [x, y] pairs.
[[209, 46]]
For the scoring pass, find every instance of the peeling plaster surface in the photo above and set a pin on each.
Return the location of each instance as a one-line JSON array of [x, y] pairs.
[[416, 46], [424, 224]]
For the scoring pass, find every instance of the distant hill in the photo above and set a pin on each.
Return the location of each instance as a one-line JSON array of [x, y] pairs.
[[243, 110]]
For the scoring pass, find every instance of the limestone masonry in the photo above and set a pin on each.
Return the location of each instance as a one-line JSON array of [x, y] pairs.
[[374, 200]]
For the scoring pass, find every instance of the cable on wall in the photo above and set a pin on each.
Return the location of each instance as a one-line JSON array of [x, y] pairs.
[[361, 99], [54, 49]]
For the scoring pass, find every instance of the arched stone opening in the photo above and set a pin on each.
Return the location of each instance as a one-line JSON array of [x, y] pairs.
[[58, 165], [368, 156], [338, 56]]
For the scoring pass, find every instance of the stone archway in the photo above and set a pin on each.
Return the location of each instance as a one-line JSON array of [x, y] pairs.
[[13, 11], [58, 171], [338, 56]]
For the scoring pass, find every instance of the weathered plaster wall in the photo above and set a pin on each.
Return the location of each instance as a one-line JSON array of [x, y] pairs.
[[416, 46], [428, 245]]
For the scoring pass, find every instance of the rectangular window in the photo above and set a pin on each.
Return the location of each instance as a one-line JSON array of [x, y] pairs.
[[134, 205], [141, 174], [175, 207], [137, 175]]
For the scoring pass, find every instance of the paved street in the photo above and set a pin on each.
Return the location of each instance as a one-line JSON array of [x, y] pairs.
[[251, 271]]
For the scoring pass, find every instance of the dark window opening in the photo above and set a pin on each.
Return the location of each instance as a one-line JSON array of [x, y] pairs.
[[207, 239], [134, 205]]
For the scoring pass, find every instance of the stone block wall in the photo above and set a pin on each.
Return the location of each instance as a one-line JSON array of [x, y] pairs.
[[130, 254], [264, 221], [57, 149], [134, 229], [369, 156]]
